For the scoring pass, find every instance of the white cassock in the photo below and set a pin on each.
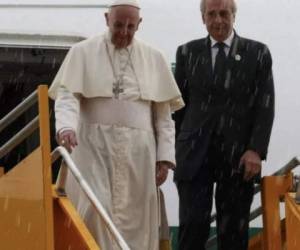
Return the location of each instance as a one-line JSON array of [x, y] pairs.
[[119, 139]]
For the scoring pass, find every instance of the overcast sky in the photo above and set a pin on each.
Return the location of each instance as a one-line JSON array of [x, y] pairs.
[[168, 23]]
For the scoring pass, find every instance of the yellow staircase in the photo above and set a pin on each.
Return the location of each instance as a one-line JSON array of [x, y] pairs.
[[33, 215]]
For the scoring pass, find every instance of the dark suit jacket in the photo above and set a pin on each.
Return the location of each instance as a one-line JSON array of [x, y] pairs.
[[242, 110]]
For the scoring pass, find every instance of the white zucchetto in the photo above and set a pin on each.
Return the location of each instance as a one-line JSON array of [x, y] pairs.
[[133, 3]]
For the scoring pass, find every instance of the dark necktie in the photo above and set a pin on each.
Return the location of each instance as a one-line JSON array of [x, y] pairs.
[[220, 65]]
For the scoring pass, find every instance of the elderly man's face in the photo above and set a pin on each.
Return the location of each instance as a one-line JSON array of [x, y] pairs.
[[219, 18], [123, 22]]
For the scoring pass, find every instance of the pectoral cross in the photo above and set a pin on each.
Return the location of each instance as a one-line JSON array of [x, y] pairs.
[[117, 89]]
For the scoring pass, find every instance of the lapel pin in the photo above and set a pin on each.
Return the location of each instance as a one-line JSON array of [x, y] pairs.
[[238, 57]]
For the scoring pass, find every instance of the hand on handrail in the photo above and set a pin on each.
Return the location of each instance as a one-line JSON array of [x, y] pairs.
[[67, 138]]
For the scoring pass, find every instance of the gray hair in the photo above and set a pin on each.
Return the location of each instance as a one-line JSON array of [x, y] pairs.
[[203, 6]]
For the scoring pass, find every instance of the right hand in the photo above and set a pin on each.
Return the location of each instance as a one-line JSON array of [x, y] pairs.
[[67, 138], [252, 164]]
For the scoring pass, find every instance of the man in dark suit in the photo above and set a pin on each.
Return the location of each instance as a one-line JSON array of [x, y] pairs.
[[223, 132]]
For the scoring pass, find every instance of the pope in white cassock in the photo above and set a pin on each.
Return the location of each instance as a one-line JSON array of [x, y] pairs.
[[114, 96]]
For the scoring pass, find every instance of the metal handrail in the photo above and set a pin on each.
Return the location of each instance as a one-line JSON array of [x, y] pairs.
[[18, 110], [19, 137], [293, 163], [61, 151]]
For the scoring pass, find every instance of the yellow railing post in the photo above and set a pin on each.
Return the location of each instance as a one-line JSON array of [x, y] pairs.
[[292, 210], [273, 189], [44, 124]]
